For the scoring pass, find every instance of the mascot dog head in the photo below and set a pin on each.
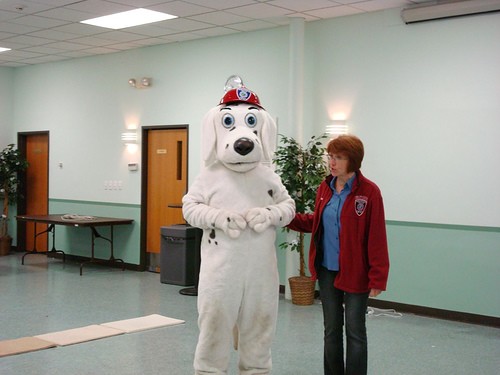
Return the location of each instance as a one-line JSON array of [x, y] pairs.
[[238, 132]]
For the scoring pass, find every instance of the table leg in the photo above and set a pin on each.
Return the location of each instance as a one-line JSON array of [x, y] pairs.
[[112, 260], [50, 229]]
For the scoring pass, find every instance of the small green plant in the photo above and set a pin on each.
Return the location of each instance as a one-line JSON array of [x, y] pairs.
[[11, 163], [302, 169]]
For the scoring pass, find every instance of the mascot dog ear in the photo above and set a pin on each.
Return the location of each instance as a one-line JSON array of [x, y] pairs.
[[268, 137], [209, 137]]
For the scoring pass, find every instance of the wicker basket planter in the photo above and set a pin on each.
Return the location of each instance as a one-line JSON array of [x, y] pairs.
[[302, 290], [5, 245]]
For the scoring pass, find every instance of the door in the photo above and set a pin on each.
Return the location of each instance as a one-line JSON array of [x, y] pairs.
[[35, 147], [166, 185]]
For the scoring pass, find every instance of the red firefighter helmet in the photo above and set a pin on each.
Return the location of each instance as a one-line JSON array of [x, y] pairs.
[[240, 95]]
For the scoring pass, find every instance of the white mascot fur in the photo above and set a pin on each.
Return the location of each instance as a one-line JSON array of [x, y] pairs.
[[238, 201]]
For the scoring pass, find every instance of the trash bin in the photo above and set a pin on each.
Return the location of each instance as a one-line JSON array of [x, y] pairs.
[[180, 254]]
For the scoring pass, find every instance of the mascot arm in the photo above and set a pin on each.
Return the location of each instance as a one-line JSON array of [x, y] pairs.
[[278, 215], [201, 215]]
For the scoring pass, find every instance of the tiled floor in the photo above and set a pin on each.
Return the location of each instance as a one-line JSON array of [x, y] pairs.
[[46, 295]]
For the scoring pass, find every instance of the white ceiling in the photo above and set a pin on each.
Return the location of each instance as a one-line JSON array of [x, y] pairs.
[[49, 30]]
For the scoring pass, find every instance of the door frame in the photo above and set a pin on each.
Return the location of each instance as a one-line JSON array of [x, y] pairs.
[[144, 181], [22, 139]]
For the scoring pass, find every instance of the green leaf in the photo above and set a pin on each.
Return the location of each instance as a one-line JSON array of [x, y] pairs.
[[302, 169]]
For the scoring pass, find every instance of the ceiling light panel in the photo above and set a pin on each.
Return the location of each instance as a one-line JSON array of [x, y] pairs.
[[129, 18]]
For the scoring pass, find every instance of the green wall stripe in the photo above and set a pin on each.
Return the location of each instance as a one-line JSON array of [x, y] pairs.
[[71, 201], [443, 226]]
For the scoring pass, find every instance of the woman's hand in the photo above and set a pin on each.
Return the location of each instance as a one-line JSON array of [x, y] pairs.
[[375, 292]]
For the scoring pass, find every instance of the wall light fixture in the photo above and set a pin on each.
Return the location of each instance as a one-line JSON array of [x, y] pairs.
[[129, 138], [337, 127]]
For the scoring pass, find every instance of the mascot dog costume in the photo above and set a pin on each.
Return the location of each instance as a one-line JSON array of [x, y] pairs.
[[238, 201]]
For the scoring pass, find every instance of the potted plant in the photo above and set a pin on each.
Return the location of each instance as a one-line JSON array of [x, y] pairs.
[[301, 169], [11, 163]]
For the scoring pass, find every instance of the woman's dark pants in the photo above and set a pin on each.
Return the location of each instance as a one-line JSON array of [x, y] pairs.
[[337, 304]]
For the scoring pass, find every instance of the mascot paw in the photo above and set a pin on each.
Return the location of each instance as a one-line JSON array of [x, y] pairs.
[[259, 219], [231, 223]]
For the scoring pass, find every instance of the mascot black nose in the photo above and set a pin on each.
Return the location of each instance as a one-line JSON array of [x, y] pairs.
[[243, 146]]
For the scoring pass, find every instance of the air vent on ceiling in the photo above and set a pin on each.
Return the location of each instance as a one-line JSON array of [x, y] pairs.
[[434, 10]]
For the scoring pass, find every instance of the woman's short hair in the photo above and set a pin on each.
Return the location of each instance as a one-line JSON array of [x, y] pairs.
[[350, 146]]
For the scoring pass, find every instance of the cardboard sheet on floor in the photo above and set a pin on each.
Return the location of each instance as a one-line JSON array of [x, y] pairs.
[[23, 345], [143, 323], [77, 335]]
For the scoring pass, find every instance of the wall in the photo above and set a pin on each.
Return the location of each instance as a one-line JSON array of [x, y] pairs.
[[6, 97], [444, 267], [87, 103], [424, 99], [406, 91]]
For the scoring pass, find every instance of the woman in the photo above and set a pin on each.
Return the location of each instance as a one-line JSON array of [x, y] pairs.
[[348, 253]]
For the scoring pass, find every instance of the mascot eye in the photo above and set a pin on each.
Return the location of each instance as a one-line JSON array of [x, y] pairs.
[[251, 120], [227, 120]]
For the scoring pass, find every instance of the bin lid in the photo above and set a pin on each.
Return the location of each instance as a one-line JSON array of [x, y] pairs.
[[179, 230]]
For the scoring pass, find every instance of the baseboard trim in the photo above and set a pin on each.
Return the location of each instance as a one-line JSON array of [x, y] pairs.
[[127, 266], [430, 312], [82, 259]]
